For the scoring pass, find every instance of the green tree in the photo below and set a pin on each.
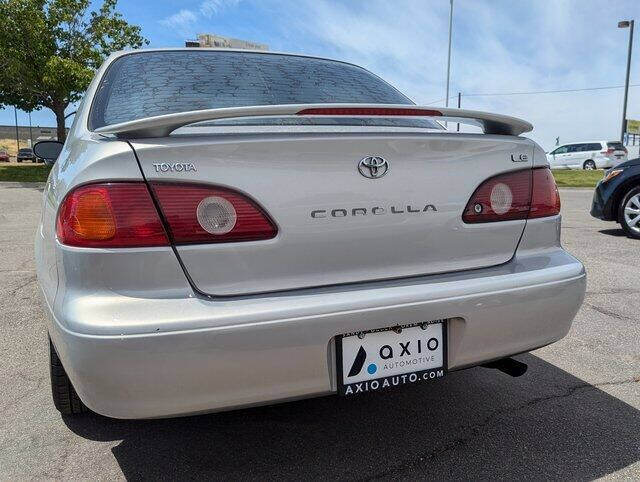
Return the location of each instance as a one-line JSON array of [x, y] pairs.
[[50, 49]]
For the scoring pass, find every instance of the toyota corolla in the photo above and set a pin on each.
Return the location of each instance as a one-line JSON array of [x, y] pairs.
[[229, 228]]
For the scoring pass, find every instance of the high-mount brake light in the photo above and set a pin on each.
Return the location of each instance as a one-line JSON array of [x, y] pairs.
[[206, 214], [110, 215], [514, 195], [369, 111]]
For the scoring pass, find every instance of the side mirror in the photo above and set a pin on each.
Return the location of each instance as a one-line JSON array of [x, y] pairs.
[[48, 150]]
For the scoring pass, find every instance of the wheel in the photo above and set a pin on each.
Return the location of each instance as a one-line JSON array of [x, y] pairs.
[[18, 160], [64, 395], [589, 165], [629, 213], [33, 160]]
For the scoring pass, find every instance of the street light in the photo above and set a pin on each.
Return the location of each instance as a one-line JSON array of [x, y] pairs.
[[626, 24], [446, 101], [30, 132]]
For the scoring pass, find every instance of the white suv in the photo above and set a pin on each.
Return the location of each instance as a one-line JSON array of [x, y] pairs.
[[587, 155]]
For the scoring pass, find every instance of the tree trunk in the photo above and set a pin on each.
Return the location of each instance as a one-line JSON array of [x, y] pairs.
[[58, 110]]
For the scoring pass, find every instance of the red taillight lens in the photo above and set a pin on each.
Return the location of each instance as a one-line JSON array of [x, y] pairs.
[[110, 215], [369, 111], [515, 195], [202, 214], [545, 200], [500, 198]]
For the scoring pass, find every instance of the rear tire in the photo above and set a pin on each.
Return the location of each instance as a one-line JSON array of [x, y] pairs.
[[589, 165], [630, 221], [64, 395]]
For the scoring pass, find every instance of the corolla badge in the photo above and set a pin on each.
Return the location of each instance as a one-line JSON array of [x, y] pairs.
[[373, 167]]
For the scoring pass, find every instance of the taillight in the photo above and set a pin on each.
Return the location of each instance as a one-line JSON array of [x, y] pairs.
[[203, 214], [500, 198], [110, 215], [545, 199], [514, 195]]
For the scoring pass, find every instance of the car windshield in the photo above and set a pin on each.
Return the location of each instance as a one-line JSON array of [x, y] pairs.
[[146, 84], [25, 150], [615, 145]]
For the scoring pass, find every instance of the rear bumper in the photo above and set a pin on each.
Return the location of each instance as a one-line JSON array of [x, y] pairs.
[[606, 162], [201, 355]]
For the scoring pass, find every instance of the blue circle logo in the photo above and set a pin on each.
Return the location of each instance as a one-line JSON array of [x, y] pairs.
[[372, 368]]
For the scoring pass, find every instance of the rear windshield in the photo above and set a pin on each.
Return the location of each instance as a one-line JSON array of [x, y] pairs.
[[615, 145], [147, 84]]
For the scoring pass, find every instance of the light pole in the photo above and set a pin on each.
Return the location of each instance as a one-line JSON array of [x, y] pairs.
[[446, 102], [459, 98], [625, 24], [15, 114], [30, 132]]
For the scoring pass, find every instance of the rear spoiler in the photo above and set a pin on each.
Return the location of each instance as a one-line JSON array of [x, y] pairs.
[[163, 125]]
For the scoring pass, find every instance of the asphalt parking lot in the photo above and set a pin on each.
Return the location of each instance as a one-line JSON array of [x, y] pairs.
[[574, 415]]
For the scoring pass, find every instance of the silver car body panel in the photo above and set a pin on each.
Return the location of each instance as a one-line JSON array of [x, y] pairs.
[[318, 173], [144, 332]]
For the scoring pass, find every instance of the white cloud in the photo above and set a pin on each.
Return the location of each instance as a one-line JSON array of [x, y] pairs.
[[182, 21], [186, 20], [209, 8]]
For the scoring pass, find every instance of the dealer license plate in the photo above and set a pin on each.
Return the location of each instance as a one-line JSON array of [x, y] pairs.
[[391, 357]]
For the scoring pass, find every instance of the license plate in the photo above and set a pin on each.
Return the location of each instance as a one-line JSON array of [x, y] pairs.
[[391, 357]]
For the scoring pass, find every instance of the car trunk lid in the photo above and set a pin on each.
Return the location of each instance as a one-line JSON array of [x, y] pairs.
[[336, 223]]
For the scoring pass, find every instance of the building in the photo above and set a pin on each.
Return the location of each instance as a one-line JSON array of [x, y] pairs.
[[26, 134], [217, 41]]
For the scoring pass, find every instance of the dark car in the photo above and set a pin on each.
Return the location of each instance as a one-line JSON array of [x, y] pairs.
[[26, 154], [4, 156], [617, 197]]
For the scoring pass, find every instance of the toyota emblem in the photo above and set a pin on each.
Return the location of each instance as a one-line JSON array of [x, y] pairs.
[[373, 167]]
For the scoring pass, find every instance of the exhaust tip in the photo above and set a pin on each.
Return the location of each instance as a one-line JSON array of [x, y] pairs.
[[509, 366]]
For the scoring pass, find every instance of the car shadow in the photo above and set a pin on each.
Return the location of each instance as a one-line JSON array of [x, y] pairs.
[[619, 233], [473, 424]]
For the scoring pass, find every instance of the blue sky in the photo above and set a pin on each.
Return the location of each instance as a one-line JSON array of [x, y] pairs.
[[498, 47]]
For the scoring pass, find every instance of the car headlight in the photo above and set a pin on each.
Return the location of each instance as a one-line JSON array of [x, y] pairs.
[[611, 173]]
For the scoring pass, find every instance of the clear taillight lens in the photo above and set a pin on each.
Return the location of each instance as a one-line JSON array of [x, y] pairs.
[[110, 215], [204, 214], [514, 195]]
